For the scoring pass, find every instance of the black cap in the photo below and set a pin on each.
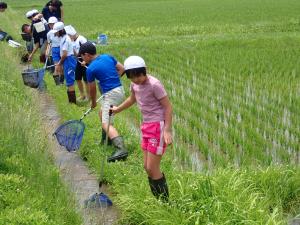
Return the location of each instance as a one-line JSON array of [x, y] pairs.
[[87, 47]]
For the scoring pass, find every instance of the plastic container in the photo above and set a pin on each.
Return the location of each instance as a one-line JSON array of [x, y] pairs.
[[39, 27], [102, 39]]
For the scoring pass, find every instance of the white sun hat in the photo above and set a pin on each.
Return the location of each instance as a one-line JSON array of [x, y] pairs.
[[34, 11], [52, 19], [29, 14], [70, 30], [133, 62], [58, 26]]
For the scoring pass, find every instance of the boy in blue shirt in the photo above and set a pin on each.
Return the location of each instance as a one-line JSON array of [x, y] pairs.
[[107, 70]]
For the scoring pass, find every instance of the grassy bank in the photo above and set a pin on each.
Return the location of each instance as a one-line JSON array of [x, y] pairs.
[[31, 191]]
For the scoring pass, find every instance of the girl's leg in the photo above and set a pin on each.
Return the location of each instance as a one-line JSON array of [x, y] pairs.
[[152, 165], [157, 180]]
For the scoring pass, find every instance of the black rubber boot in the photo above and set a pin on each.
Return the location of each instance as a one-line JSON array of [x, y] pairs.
[[121, 152], [103, 138], [159, 188], [62, 78], [71, 96], [50, 63], [56, 79]]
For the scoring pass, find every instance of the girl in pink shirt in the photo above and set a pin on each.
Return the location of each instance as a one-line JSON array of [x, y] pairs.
[[153, 101]]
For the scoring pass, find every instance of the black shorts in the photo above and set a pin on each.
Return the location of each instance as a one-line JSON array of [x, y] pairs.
[[80, 72]]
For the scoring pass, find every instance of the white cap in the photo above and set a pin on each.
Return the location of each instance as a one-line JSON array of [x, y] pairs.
[[70, 30], [29, 14], [34, 11], [58, 26], [133, 62], [52, 19]]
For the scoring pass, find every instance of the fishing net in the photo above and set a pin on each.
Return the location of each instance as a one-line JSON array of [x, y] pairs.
[[33, 77], [70, 134]]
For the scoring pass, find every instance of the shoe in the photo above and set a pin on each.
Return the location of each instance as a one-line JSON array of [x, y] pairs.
[[62, 79], [118, 155], [159, 188], [56, 79], [71, 96], [121, 152]]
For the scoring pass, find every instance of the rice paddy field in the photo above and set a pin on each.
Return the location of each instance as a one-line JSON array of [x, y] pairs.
[[232, 71]]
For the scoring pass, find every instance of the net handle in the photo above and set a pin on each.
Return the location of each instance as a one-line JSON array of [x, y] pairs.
[[90, 109], [110, 112]]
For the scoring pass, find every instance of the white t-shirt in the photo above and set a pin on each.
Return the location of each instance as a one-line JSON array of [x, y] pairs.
[[78, 42], [66, 44], [54, 40]]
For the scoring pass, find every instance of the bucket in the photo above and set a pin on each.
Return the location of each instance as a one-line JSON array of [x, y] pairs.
[[32, 77], [102, 39]]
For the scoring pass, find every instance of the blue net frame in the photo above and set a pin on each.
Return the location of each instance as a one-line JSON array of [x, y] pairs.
[[70, 134]]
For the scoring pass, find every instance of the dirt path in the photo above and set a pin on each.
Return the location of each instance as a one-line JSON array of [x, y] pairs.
[[74, 170]]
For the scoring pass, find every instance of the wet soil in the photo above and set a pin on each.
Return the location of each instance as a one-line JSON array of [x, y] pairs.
[[74, 171]]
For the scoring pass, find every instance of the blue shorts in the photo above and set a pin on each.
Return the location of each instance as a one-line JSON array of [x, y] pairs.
[[69, 70], [56, 54]]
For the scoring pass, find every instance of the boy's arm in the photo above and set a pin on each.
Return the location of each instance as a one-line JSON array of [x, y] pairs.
[[36, 47], [165, 102], [63, 57], [47, 50], [126, 104], [93, 92], [120, 69]]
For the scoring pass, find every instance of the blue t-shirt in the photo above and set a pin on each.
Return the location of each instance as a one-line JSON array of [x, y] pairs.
[[103, 68]]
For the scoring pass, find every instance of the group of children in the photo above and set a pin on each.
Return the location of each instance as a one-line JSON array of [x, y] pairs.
[[76, 58]]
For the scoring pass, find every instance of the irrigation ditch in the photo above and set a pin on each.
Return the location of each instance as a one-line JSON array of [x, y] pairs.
[[74, 171]]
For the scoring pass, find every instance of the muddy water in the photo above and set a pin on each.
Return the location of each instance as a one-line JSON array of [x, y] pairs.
[[74, 171]]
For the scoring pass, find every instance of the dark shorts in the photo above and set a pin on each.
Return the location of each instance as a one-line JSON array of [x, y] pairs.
[[80, 72]]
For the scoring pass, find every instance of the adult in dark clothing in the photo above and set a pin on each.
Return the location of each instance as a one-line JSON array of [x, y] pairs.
[[51, 11], [56, 5]]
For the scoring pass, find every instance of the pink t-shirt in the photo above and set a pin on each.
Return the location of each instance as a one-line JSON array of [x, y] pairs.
[[147, 96]]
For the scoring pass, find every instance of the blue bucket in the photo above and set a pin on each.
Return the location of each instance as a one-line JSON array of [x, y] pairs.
[[102, 39]]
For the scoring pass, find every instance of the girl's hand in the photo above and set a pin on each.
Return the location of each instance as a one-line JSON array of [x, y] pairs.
[[168, 137]]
